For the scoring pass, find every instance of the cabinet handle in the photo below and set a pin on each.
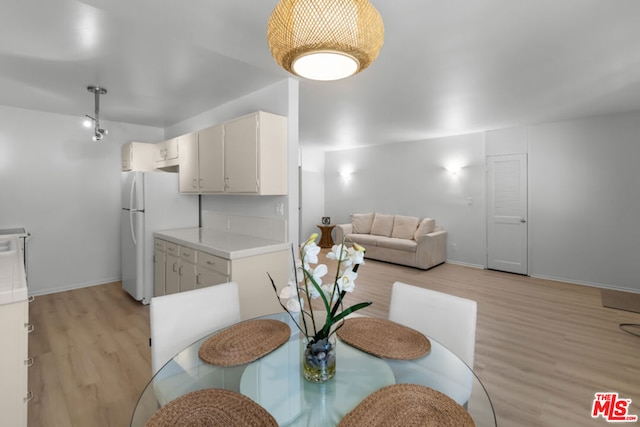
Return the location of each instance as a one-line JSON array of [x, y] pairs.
[[198, 279], [29, 327], [211, 263], [28, 397], [200, 182], [175, 267], [29, 362], [195, 183]]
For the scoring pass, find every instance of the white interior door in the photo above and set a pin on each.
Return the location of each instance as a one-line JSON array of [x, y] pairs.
[[507, 213]]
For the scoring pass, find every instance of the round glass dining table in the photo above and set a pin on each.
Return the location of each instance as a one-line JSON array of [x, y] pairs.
[[276, 383]]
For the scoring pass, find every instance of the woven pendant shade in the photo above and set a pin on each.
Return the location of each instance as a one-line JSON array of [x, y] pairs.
[[325, 39]]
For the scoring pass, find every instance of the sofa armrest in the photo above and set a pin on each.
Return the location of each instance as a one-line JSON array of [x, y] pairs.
[[431, 249], [341, 231]]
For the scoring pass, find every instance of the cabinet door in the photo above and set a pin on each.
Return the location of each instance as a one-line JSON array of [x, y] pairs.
[[187, 276], [188, 162], [241, 155], [126, 157], [172, 147], [208, 277], [159, 264], [159, 152], [172, 276], [211, 159]]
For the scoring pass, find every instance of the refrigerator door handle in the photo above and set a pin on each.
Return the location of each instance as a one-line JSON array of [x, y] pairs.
[[133, 234], [132, 190]]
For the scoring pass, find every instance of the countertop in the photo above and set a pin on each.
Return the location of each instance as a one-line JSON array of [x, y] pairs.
[[220, 243], [13, 280]]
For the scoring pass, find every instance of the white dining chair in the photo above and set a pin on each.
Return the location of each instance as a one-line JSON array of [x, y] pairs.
[[449, 319], [178, 320]]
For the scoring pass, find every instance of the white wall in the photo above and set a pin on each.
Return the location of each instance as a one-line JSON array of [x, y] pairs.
[[584, 202], [411, 179], [64, 189], [280, 98], [312, 199]]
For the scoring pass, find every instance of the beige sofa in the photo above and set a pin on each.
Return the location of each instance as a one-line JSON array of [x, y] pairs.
[[396, 238]]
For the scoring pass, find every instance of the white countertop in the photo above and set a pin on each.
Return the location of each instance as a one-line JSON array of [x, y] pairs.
[[13, 280], [220, 243]]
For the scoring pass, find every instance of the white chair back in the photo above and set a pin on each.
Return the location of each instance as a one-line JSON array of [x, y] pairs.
[[178, 320], [449, 319]]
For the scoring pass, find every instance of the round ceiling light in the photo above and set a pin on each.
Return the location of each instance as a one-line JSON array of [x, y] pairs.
[[325, 39]]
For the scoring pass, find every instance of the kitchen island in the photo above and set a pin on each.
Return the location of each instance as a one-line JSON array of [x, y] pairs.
[[190, 258]]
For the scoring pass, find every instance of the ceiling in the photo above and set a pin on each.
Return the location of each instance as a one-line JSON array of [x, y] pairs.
[[447, 66]]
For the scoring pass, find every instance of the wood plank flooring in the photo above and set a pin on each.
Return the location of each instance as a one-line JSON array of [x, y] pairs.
[[543, 348]]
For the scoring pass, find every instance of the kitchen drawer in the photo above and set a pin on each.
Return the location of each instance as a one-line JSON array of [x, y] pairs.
[[160, 244], [188, 254], [215, 263], [173, 249]]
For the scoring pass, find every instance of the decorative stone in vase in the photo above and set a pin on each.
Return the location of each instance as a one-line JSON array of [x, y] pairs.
[[319, 359]]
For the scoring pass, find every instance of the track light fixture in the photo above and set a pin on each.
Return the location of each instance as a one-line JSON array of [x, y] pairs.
[[98, 132]]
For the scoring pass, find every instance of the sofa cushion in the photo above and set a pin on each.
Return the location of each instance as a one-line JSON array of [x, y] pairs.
[[365, 240], [426, 226], [361, 223], [382, 224], [404, 227], [408, 245]]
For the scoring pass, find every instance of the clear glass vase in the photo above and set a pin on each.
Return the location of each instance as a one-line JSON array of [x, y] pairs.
[[319, 359]]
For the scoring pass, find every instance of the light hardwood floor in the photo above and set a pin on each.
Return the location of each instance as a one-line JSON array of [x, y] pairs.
[[543, 348]]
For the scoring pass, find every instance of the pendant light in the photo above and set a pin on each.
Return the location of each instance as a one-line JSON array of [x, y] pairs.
[[325, 39], [98, 132]]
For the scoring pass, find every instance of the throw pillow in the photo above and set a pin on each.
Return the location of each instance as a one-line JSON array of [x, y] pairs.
[[404, 227], [362, 223], [382, 225], [426, 226]]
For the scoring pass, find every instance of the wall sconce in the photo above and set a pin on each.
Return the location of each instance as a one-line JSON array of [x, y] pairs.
[[98, 132], [453, 168]]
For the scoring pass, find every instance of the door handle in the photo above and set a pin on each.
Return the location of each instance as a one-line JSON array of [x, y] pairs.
[[523, 220]]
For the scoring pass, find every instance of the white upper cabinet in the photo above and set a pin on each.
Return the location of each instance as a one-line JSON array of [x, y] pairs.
[[255, 154], [211, 159], [202, 162], [247, 155], [167, 153], [137, 156]]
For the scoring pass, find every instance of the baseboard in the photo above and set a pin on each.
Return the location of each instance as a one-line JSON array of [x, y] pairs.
[[465, 264], [72, 287]]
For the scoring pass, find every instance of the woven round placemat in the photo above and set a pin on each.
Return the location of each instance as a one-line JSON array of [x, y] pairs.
[[402, 405], [212, 408], [384, 338], [244, 342]]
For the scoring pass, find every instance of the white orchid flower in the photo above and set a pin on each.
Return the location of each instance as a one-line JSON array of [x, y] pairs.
[[339, 253], [347, 282], [356, 256], [289, 291], [310, 253], [294, 305]]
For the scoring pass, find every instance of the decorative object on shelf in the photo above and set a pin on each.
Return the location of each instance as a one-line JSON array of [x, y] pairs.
[[325, 39], [319, 355], [98, 132], [326, 220]]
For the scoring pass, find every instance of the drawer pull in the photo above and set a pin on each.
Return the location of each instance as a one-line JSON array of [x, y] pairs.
[[211, 263], [29, 396], [29, 327], [29, 362]]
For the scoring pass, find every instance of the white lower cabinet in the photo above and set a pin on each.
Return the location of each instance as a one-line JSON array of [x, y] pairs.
[[186, 268], [14, 363]]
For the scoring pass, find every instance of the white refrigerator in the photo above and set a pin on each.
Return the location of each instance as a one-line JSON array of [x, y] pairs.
[[151, 201]]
